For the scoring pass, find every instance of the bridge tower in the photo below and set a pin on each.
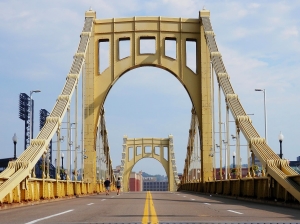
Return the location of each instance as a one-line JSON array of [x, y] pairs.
[[161, 149], [98, 84]]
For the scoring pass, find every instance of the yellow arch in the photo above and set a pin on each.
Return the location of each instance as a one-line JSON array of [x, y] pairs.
[[133, 143], [97, 85]]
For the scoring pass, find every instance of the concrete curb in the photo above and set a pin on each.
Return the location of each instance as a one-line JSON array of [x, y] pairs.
[[269, 202], [5, 206]]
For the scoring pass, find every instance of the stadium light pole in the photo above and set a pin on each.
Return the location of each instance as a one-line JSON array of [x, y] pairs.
[[31, 114], [265, 111]]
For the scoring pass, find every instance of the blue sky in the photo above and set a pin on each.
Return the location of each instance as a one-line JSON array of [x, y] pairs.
[[259, 42]]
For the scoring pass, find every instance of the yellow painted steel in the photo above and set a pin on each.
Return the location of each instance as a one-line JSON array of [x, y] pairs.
[[98, 85], [130, 147], [278, 170], [37, 189]]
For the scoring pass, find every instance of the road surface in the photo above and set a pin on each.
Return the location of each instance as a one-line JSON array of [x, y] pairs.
[[150, 207]]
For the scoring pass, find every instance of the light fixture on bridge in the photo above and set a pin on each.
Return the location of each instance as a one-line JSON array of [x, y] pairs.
[[280, 138], [265, 110], [62, 166], [233, 137], [233, 161], [31, 112], [15, 140]]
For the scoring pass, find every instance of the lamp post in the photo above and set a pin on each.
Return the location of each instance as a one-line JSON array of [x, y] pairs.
[[62, 165], [48, 164], [280, 137], [71, 149], [31, 113], [233, 163], [15, 140], [265, 111], [214, 168], [55, 167]]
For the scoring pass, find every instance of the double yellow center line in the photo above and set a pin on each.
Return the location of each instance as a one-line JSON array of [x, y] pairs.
[[149, 210]]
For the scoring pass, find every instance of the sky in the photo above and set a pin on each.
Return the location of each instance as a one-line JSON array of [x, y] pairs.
[[259, 42]]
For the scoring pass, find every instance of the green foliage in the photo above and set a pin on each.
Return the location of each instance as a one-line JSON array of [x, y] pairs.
[[41, 166], [255, 168], [234, 170], [62, 171]]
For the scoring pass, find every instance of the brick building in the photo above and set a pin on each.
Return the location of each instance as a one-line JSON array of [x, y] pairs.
[[136, 181]]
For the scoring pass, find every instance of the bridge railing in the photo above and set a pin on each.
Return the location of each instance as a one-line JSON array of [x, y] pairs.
[[35, 189], [264, 189]]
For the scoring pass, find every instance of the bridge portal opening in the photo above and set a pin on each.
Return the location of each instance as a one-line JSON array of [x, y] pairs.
[[153, 178], [148, 102]]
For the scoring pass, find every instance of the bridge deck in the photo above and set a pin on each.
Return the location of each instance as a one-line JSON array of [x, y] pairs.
[[164, 207]]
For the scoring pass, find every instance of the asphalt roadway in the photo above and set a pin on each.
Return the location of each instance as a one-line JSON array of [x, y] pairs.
[[150, 207]]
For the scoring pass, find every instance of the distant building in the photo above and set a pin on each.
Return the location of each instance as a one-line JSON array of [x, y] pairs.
[[295, 164], [4, 163], [117, 171], [180, 176], [151, 184], [136, 181]]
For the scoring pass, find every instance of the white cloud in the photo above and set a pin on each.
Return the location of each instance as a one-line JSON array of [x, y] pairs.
[[254, 5], [290, 32]]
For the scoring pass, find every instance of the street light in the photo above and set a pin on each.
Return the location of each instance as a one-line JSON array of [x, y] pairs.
[[280, 137], [48, 164], [15, 140], [62, 165], [198, 174], [233, 163], [31, 113], [71, 149], [265, 111]]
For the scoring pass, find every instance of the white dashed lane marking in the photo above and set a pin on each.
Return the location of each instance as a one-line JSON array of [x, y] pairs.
[[206, 203], [103, 199], [235, 212], [90, 203], [48, 217]]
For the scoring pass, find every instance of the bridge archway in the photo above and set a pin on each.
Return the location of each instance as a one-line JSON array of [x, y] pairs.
[[165, 111], [160, 29], [148, 175], [160, 149]]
